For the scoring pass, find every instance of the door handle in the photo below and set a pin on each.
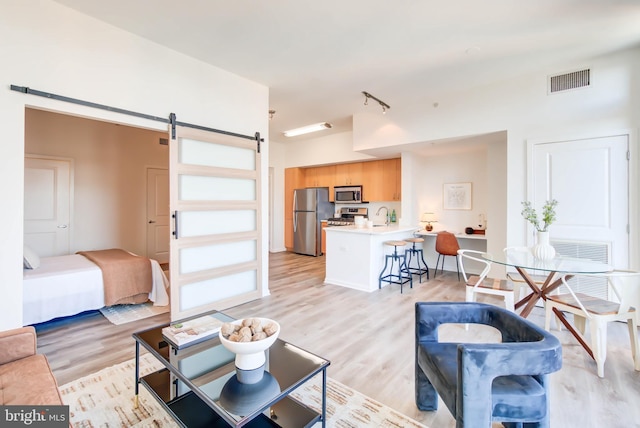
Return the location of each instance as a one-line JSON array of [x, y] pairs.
[[62, 226], [151, 221], [295, 217], [175, 224]]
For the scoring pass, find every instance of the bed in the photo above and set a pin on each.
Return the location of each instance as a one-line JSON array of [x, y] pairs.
[[67, 285]]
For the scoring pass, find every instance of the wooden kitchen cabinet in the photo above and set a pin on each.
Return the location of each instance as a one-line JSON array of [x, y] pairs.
[[294, 178], [373, 188], [321, 176], [392, 179], [311, 177], [348, 174], [382, 180], [327, 178], [288, 234]]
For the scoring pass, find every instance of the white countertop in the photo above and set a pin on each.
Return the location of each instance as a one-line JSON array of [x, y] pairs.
[[458, 235], [376, 230]]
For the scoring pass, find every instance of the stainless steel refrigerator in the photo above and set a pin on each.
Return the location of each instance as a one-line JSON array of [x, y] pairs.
[[310, 207]]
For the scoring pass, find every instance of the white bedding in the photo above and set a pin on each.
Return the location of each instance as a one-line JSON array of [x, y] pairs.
[[67, 285]]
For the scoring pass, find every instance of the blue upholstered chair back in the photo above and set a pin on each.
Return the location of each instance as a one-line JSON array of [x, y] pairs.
[[481, 382]]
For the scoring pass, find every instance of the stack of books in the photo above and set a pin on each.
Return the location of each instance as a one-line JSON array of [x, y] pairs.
[[190, 332]]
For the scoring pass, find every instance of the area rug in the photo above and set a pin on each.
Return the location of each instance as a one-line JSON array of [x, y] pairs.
[[105, 399], [122, 314]]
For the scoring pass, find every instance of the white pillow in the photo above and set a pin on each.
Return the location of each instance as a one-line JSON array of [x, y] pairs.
[[30, 258]]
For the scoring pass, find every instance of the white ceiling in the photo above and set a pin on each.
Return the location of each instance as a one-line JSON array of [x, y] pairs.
[[318, 56]]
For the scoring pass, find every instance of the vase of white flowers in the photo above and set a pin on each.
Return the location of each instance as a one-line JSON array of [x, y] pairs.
[[542, 250]]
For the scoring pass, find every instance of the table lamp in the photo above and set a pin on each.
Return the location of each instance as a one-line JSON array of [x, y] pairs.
[[428, 218]]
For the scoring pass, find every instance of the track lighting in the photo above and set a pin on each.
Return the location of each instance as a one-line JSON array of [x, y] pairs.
[[384, 105]]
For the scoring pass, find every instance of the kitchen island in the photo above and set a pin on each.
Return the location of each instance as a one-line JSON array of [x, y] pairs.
[[355, 256]]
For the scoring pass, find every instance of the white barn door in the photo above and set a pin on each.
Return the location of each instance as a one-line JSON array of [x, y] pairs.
[[215, 257], [590, 180]]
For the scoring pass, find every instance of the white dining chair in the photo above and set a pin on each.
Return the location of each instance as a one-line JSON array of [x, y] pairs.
[[598, 312], [480, 283]]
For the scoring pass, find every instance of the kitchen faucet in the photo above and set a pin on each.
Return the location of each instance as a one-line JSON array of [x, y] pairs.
[[386, 218]]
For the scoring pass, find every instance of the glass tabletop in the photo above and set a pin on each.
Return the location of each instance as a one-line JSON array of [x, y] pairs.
[[522, 258], [208, 369]]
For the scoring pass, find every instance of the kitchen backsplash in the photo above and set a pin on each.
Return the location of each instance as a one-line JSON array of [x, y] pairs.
[[373, 208]]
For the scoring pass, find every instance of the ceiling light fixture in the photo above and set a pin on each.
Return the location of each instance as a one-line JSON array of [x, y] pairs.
[[384, 105], [271, 113], [307, 129]]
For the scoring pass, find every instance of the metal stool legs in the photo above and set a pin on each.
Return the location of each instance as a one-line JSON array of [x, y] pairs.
[[417, 253], [403, 276]]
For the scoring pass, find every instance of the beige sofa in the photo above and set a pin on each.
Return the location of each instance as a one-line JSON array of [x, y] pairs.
[[25, 377]]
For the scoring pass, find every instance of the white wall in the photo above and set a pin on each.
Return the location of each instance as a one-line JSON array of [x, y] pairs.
[[520, 110], [333, 148], [522, 107], [484, 168], [277, 160], [110, 174], [55, 49], [433, 172]]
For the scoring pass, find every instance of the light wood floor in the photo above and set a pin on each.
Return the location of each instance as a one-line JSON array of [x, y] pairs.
[[368, 337]]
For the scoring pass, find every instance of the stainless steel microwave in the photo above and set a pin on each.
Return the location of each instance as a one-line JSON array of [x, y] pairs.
[[347, 194]]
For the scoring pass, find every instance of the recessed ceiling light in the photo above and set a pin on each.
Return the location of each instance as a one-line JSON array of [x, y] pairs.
[[307, 129]]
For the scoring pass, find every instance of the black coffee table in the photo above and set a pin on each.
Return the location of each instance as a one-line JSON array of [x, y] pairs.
[[199, 388]]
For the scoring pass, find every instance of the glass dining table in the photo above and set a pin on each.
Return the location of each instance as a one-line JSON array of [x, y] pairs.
[[555, 269]]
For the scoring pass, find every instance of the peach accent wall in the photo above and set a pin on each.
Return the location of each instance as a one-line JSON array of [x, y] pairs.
[[110, 174]]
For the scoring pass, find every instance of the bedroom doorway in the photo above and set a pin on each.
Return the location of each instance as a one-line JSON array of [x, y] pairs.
[[158, 231], [109, 177], [47, 204]]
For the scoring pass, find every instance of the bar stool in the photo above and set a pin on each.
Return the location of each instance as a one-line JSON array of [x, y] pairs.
[[418, 254], [404, 275]]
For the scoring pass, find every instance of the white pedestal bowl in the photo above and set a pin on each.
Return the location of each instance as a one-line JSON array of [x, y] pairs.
[[250, 355]]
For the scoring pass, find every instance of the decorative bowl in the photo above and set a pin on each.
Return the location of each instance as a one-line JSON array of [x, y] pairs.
[[250, 355]]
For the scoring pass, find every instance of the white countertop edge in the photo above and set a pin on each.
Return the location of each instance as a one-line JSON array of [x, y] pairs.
[[380, 230], [458, 235]]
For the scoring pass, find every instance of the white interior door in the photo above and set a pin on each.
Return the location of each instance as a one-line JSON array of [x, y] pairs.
[[590, 180], [158, 231], [215, 257], [47, 205]]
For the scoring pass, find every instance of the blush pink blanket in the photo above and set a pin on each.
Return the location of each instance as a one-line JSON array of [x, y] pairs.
[[126, 277]]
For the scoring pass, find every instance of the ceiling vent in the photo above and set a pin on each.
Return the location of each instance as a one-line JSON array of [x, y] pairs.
[[568, 81]]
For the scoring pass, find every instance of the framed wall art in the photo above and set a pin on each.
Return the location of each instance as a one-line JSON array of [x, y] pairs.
[[457, 196]]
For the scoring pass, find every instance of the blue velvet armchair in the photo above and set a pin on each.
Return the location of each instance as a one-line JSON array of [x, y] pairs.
[[484, 382]]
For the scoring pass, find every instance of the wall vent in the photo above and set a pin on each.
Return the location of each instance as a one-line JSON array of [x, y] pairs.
[[567, 81], [596, 251]]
